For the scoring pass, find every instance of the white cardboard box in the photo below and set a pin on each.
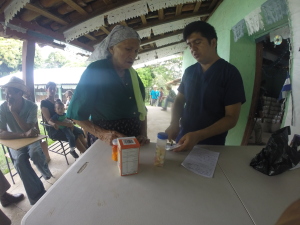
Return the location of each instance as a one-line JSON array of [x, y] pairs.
[[128, 155]]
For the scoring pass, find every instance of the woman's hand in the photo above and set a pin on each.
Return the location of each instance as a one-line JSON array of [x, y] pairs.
[[55, 126], [108, 135], [143, 140]]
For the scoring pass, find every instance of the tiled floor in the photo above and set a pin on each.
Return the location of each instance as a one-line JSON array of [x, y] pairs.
[[158, 121]]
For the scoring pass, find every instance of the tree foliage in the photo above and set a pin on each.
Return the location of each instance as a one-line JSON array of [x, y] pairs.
[[161, 73], [10, 56], [56, 60]]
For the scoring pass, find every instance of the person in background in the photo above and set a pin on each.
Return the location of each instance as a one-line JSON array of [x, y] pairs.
[[7, 199], [154, 95], [161, 96], [170, 98], [210, 95], [68, 95], [48, 110], [109, 99], [61, 116], [18, 118]]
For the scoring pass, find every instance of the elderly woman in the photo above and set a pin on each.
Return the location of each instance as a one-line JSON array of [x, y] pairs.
[[48, 111], [109, 99]]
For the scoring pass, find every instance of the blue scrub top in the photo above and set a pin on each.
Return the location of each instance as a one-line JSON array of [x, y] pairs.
[[206, 95]]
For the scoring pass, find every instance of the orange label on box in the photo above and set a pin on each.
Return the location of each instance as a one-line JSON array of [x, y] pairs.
[[128, 155]]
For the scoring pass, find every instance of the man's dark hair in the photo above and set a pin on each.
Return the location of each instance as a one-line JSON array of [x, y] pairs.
[[206, 30], [50, 84]]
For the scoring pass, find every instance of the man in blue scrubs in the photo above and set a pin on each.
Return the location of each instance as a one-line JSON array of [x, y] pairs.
[[210, 95]]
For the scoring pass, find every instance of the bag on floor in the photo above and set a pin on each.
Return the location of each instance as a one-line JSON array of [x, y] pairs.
[[277, 156]]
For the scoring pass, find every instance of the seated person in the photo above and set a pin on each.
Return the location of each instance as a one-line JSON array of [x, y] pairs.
[[18, 117], [110, 92], [47, 107], [61, 116], [68, 95]]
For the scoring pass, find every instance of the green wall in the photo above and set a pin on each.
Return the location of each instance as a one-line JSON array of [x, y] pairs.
[[240, 53]]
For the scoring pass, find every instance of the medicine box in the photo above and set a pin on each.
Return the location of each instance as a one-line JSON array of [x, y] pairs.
[[128, 155]]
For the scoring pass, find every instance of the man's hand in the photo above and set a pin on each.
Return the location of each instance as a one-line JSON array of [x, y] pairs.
[[172, 131], [187, 142], [33, 132]]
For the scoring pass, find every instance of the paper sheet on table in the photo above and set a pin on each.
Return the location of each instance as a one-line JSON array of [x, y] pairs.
[[201, 161]]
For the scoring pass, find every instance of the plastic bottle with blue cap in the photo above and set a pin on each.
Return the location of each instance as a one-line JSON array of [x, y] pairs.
[[160, 151]]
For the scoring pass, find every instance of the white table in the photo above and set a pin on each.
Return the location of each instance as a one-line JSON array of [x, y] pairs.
[[265, 197], [168, 195]]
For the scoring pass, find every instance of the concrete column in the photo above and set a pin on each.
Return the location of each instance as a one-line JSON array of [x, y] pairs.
[[28, 53], [60, 92]]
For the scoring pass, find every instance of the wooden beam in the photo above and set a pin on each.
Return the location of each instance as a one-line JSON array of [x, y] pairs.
[[76, 7], [45, 13], [197, 6], [178, 10], [5, 5], [161, 15], [149, 50], [28, 53], [104, 30], [99, 9], [143, 18], [123, 23], [90, 37], [58, 36], [176, 18], [160, 37], [107, 2], [212, 5]]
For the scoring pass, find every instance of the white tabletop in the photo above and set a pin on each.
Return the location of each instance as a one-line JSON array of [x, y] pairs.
[[169, 195], [265, 197]]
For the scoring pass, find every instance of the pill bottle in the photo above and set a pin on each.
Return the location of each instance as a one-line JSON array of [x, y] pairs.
[[160, 151], [114, 155]]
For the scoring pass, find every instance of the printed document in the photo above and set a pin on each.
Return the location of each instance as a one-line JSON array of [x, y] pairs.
[[201, 161]]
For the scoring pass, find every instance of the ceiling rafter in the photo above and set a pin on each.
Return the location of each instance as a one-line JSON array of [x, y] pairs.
[[197, 6], [178, 9], [45, 13], [161, 14], [144, 20], [76, 7], [50, 19]]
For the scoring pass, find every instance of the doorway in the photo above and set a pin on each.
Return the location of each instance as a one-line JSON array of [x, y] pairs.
[[272, 66]]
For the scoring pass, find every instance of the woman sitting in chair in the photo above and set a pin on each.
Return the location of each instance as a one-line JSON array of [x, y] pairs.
[[48, 110]]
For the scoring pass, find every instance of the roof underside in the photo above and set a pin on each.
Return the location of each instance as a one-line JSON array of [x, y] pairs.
[[85, 23]]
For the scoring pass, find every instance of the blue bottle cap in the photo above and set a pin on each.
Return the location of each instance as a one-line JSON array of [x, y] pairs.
[[162, 135]]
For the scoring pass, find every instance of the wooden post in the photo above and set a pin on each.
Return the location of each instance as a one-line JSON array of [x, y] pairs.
[[28, 53]]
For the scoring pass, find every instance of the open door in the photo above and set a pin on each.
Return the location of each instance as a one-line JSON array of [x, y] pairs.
[[256, 87], [272, 66]]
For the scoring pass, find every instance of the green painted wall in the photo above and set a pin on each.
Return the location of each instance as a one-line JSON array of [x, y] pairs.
[[240, 53]]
